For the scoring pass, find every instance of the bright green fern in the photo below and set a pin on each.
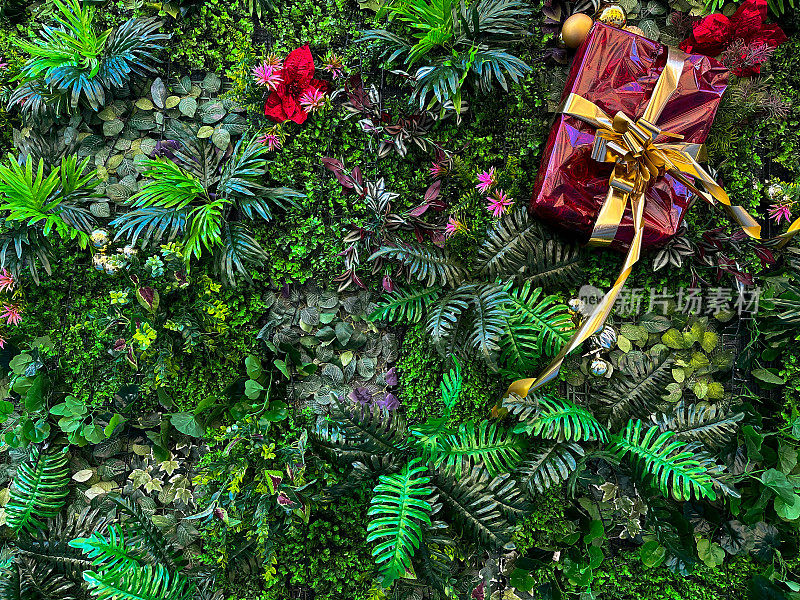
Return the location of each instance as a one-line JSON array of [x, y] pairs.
[[39, 490], [562, 420], [401, 507]]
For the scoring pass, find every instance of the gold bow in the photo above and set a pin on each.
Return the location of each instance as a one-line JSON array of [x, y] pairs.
[[638, 161]]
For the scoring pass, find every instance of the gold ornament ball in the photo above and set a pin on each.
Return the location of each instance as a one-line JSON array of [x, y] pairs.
[[612, 14], [636, 30], [575, 29]]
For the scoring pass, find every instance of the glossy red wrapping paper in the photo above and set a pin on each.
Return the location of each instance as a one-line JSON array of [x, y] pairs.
[[617, 70]]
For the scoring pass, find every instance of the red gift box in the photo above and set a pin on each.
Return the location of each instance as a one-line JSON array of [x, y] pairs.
[[617, 70]]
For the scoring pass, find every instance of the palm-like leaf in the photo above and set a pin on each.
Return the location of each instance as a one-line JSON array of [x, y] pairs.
[[170, 186], [401, 507], [429, 265], [405, 304], [561, 420], [534, 325], [130, 50], [146, 537], [710, 424], [443, 319], [483, 444], [242, 174], [107, 554], [671, 463], [550, 464], [476, 511], [555, 263], [32, 198], [39, 490], [236, 251], [488, 318], [636, 388], [151, 224], [143, 583], [22, 247], [27, 580], [508, 244]]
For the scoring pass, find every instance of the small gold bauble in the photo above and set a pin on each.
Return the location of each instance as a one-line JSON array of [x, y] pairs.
[[612, 14], [575, 29], [636, 30]]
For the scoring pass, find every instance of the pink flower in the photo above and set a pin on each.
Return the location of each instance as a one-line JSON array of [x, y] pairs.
[[312, 99], [334, 65], [268, 75], [438, 170], [486, 180], [453, 226], [12, 314], [498, 203], [6, 281], [2, 342], [271, 140], [779, 211]]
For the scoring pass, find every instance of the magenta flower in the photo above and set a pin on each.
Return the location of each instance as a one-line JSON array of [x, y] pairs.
[[453, 226], [268, 75], [486, 180], [438, 170], [334, 65], [780, 211], [498, 203], [271, 140], [2, 342], [6, 281], [312, 99], [3, 66], [12, 314]]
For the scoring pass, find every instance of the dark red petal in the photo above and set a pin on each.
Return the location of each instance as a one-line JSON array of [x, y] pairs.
[[299, 66], [274, 108]]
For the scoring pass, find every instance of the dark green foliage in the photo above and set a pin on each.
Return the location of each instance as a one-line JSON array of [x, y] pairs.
[[509, 244], [405, 304], [487, 320], [39, 490], [554, 262], [27, 580], [476, 512], [447, 314], [711, 424], [551, 463], [637, 391], [401, 508], [430, 265], [671, 463]]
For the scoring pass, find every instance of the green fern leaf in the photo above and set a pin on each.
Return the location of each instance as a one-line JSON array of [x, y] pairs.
[[482, 444], [107, 553], [554, 263], [476, 512], [550, 465], [39, 490], [444, 318], [508, 244], [451, 386], [427, 264], [671, 463], [561, 420], [400, 503], [151, 582], [710, 424], [488, 317], [405, 305], [636, 388]]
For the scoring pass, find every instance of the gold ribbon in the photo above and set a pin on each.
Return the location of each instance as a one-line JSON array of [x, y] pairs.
[[638, 160]]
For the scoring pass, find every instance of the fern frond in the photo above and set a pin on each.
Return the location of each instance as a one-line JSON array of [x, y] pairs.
[[710, 424], [533, 326], [550, 465], [237, 250], [400, 505], [635, 389], [562, 420], [443, 319], [671, 463], [356, 433], [475, 510], [169, 187], [488, 317], [483, 444], [451, 386], [555, 263], [25, 579], [405, 305], [427, 264], [151, 582], [143, 534], [39, 490], [108, 553]]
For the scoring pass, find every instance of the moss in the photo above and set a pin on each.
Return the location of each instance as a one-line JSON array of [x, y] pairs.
[[546, 525]]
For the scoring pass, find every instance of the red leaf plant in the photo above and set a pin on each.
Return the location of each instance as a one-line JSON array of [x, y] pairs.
[[298, 93]]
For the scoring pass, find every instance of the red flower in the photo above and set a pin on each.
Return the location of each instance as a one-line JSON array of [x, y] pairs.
[[298, 79], [714, 33]]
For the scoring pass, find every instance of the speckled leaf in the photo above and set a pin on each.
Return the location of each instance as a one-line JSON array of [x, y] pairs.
[[221, 138], [211, 83], [158, 92], [144, 104], [183, 85], [112, 128], [205, 132], [211, 112], [172, 101], [188, 106]]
